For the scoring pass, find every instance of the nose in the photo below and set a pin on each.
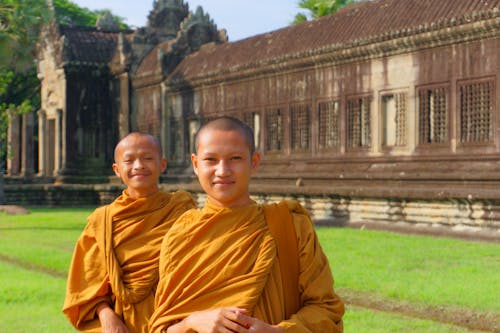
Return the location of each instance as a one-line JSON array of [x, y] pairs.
[[138, 164], [222, 168]]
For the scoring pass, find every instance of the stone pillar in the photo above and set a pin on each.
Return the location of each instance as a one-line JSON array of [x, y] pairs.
[[13, 145], [27, 158], [165, 123], [58, 162], [42, 143], [63, 142], [124, 112]]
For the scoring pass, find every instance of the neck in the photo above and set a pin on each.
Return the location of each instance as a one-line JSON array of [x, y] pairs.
[[137, 194]]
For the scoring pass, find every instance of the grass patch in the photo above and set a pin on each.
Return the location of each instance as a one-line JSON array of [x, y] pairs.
[[46, 237], [420, 269], [363, 320], [35, 251], [31, 301]]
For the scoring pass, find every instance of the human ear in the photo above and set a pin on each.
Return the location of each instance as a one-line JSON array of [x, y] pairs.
[[194, 160], [163, 164], [116, 170], [255, 161]]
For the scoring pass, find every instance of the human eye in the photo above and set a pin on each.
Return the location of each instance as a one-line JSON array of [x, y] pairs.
[[209, 160]]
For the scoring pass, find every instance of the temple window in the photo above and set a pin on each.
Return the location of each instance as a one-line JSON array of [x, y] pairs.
[[394, 119], [328, 124], [476, 111], [274, 130], [300, 126], [358, 122], [433, 115]]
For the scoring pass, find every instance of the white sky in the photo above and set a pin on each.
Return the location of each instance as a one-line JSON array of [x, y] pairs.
[[241, 18]]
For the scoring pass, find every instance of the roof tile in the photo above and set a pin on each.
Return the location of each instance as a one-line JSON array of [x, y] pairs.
[[360, 22], [88, 45]]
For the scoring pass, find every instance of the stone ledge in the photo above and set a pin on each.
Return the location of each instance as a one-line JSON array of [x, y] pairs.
[[460, 232]]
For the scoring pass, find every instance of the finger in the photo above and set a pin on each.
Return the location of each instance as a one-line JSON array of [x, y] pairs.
[[235, 309], [233, 313], [239, 318], [234, 326]]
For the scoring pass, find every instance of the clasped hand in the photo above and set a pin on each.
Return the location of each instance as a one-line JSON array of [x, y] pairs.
[[223, 320]]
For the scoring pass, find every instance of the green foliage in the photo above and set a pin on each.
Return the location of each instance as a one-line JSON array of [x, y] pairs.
[[69, 13], [19, 94], [319, 8], [20, 22]]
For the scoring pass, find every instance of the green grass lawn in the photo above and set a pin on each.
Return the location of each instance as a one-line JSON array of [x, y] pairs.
[[359, 320], [35, 251], [31, 301], [419, 269]]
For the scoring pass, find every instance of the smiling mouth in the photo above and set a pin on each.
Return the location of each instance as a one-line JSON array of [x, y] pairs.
[[223, 183]]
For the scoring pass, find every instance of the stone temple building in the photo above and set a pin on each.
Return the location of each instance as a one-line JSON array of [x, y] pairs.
[[385, 111]]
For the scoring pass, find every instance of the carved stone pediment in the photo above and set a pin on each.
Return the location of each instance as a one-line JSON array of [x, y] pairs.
[[166, 16]]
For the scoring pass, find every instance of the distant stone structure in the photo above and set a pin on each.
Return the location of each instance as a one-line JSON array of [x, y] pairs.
[[385, 111], [98, 84]]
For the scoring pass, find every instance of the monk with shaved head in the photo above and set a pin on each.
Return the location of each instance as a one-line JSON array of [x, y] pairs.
[[238, 266], [114, 271]]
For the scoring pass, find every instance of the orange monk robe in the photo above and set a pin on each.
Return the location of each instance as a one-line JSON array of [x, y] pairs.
[[219, 257], [116, 259]]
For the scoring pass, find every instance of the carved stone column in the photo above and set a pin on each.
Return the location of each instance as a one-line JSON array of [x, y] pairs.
[[165, 123], [42, 142], [124, 113], [63, 142], [27, 162], [13, 146], [59, 137]]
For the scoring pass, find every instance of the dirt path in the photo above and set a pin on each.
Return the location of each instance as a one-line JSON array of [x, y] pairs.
[[11, 209], [468, 234], [33, 267], [463, 318]]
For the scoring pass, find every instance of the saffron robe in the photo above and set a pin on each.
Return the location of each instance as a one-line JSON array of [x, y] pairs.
[[116, 259], [219, 257]]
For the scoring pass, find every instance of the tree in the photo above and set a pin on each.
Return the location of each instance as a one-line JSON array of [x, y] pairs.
[[318, 8], [68, 13], [20, 21]]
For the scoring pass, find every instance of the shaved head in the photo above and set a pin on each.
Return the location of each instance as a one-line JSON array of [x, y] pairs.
[[136, 135], [226, 123]]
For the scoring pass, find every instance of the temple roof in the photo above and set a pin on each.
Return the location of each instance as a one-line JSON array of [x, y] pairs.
[[151, 63], [357, 24], [88, 46]]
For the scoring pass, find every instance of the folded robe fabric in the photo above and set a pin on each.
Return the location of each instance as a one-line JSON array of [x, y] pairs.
[[218, 257], [116, 259]]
